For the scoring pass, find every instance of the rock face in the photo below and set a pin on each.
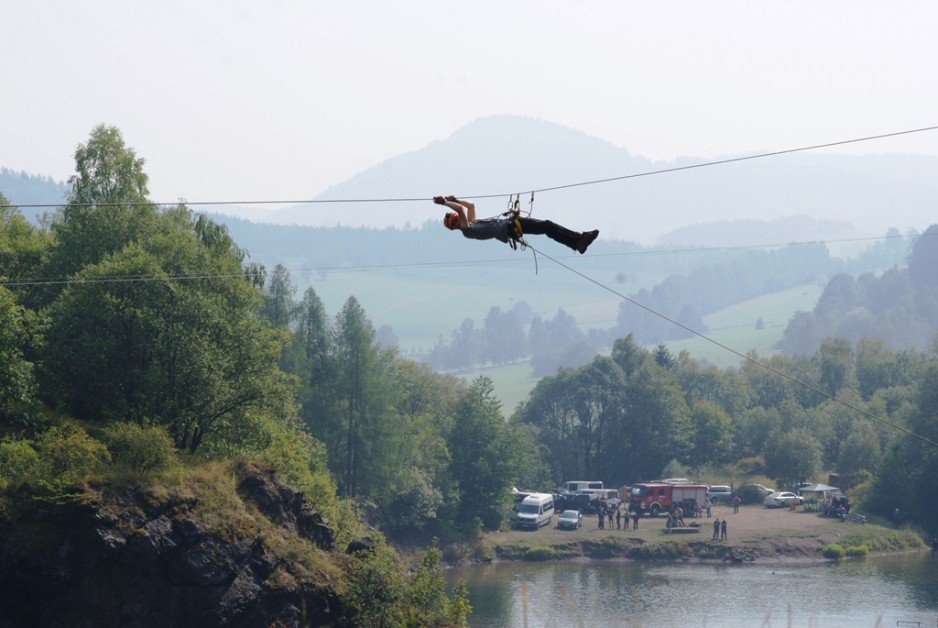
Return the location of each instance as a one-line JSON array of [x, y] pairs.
[[150, 563]]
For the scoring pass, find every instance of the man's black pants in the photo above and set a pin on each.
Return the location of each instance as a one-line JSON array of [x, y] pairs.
[[551, 229]]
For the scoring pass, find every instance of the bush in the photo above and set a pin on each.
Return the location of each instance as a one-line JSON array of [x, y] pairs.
[[408, 510], [18, 460], [833, 551], [299, 460], [750, 494], [857, 550], [668, 550], [457, 606], [140, 448], [675, 469], [67, 454], [539, 553]]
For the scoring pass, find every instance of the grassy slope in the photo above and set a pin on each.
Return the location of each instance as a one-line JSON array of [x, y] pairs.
[[423, 303], [735, 326]]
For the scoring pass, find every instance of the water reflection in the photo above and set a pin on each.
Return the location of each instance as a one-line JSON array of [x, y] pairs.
[[871, 592]]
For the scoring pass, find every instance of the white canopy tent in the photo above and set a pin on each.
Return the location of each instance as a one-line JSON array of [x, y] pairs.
[[819, 488]]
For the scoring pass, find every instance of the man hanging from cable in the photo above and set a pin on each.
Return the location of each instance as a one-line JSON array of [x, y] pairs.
[[509, 227]]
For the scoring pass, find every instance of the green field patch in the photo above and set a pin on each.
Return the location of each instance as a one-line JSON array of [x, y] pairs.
[[735, 326], [513, 383], [424, 303]]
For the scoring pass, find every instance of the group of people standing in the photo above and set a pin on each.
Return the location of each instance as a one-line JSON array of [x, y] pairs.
[[612, 513]]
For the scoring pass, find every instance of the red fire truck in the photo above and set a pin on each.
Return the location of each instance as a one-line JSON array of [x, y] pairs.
[[656, 497]]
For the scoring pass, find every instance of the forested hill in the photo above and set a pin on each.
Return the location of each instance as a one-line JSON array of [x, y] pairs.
[[21, 188], [900, 307]]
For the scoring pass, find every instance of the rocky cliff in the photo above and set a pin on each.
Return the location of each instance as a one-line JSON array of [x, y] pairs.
[[138, 556]]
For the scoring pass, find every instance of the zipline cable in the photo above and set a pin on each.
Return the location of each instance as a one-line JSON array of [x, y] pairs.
[[741, 355], [647, 173], [48, 281]]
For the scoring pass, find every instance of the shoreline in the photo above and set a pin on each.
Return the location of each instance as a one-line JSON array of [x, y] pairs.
[[586, 560], [756, 536]]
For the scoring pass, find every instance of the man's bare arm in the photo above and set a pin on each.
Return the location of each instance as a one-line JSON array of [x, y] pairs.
[[460, 210], [470, 209]]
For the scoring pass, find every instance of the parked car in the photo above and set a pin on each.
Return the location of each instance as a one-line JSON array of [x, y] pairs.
[[720, 494], [586, 503], [762, 489], [570, 519], [780, 499]]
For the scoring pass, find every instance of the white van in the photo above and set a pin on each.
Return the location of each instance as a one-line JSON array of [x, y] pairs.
[[576, 486], [535, 511]]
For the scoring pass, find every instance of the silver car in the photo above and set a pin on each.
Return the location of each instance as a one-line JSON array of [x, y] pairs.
[[779, 499], [720, 493]]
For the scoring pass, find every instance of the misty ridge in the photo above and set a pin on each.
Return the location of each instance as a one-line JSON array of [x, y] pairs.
[[508, 154], [721, 205]]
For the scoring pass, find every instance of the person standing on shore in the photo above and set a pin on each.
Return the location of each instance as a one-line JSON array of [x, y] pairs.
[[709, 506], [618, 519], [602, 518], [895, 517], [723, 530], [736, 501], [716, 529]]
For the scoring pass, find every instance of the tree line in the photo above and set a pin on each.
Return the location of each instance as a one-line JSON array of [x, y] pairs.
[[639, 414], [426, 454], [900, 306]]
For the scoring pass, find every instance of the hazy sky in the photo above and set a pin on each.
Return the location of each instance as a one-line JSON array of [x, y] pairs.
[[279, 99]]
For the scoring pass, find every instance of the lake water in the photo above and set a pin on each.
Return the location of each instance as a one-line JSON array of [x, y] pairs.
[[894, 591]]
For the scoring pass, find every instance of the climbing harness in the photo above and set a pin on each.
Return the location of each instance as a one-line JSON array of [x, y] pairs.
[[515, 233]]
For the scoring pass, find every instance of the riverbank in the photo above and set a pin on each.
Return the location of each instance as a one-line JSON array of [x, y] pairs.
[[755, 534]]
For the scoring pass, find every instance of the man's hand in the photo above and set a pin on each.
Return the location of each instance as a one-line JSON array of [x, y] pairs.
[[451, 198], [438, 200]]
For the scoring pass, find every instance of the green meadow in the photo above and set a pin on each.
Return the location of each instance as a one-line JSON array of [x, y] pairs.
[[421, 304], [735, 326]]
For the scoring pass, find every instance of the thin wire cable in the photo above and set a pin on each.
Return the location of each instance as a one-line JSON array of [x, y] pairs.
[[647, 173], [121, 279], [741, 355], [730, 160], [38, 281]]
